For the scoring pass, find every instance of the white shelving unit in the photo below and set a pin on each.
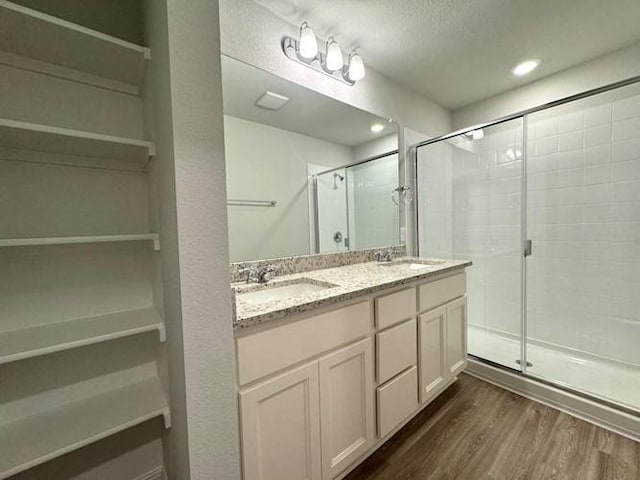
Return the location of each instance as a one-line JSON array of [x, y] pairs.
[[24, 242], [44, 138], [35, 439], [55, 41], [56, 337], [64, 386]]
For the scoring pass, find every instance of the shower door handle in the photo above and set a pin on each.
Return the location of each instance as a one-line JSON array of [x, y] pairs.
[[528, 248]]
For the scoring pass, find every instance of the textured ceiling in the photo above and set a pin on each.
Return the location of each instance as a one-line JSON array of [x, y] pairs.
[[307, 112], [457, 52]]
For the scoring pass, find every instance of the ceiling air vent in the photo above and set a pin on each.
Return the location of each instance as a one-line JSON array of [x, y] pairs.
[[271, 101]]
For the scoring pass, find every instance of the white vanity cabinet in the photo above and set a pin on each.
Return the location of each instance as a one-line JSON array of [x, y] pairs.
[[314, 420], [346, 406], [442, 333], [281, 427], [320, 391]]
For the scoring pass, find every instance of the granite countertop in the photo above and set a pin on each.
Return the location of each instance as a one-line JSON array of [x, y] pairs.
[[342, 283]]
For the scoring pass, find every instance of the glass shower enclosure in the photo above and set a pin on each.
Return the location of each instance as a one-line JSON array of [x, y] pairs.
[[355, 208], [547, 206]]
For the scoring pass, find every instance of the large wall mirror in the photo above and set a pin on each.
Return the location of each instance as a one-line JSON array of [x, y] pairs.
[[305, 173]]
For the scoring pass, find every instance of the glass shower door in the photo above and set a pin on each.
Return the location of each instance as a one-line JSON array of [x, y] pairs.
[[469, 207], [332, 215], [583, 217]]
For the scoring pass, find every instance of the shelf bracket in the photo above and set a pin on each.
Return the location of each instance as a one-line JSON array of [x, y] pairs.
[[162, 333], [166, 415]]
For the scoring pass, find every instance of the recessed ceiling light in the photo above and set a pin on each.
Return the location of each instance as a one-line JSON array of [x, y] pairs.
[[377, 127], [272, 101], [525, 67]]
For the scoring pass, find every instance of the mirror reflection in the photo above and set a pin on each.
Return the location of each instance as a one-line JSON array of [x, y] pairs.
[[305, 173]]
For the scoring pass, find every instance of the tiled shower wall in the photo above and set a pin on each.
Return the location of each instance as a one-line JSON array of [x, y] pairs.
[[583, 209], [374, 220]]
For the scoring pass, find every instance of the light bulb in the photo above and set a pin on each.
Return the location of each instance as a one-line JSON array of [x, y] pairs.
[[356, 67], [377, 127], [308, 46], [334, 60]]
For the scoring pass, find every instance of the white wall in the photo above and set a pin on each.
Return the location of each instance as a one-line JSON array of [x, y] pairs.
[[253, 34], [611, 68], [268, 163], [203, 443], [376, 147]]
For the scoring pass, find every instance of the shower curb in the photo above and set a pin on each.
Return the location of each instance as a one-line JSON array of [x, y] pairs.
[[609, 418]]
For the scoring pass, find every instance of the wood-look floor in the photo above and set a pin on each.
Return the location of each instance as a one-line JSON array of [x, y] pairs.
[[478, 431]]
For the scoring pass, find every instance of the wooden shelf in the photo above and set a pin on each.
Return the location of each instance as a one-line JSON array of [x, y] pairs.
[[56, 337], [35, 241], [35, 439], [36, 35], [32, 136]]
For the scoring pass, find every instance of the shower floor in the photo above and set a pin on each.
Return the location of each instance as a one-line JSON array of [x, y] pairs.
[[615, 381]]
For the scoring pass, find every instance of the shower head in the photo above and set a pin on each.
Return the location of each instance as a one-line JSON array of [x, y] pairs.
[[337, 175]]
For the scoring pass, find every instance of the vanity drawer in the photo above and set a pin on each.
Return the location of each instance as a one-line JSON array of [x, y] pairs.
[[395, 307], [396, 350], [397, 399], [269, 351], [439, 292]]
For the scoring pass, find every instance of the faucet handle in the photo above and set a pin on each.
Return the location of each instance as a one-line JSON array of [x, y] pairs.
[[267, 273], [384, 256]]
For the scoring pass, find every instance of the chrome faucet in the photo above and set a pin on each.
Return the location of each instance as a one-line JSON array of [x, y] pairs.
[[384, 256], [260, 275], [266, 273]]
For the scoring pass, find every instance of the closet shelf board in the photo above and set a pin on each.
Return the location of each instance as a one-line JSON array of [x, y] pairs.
[[66, 44], [38, 438], [36, 241], [56, 337]]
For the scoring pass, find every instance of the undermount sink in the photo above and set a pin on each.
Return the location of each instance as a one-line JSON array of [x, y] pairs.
[[413, 264], [279, 291]]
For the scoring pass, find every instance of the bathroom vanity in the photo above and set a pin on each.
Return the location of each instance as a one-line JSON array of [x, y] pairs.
[[332, 362]]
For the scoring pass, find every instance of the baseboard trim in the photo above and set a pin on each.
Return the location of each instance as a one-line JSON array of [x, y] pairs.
[[603, 416], [155, 474]]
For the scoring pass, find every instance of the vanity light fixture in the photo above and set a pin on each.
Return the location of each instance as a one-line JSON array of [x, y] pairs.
[[304, 51], [525, 67]]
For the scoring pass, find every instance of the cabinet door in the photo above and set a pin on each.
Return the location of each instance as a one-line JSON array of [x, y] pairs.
[[433, 366], [456, 336], [281, 427], [346, 406]]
